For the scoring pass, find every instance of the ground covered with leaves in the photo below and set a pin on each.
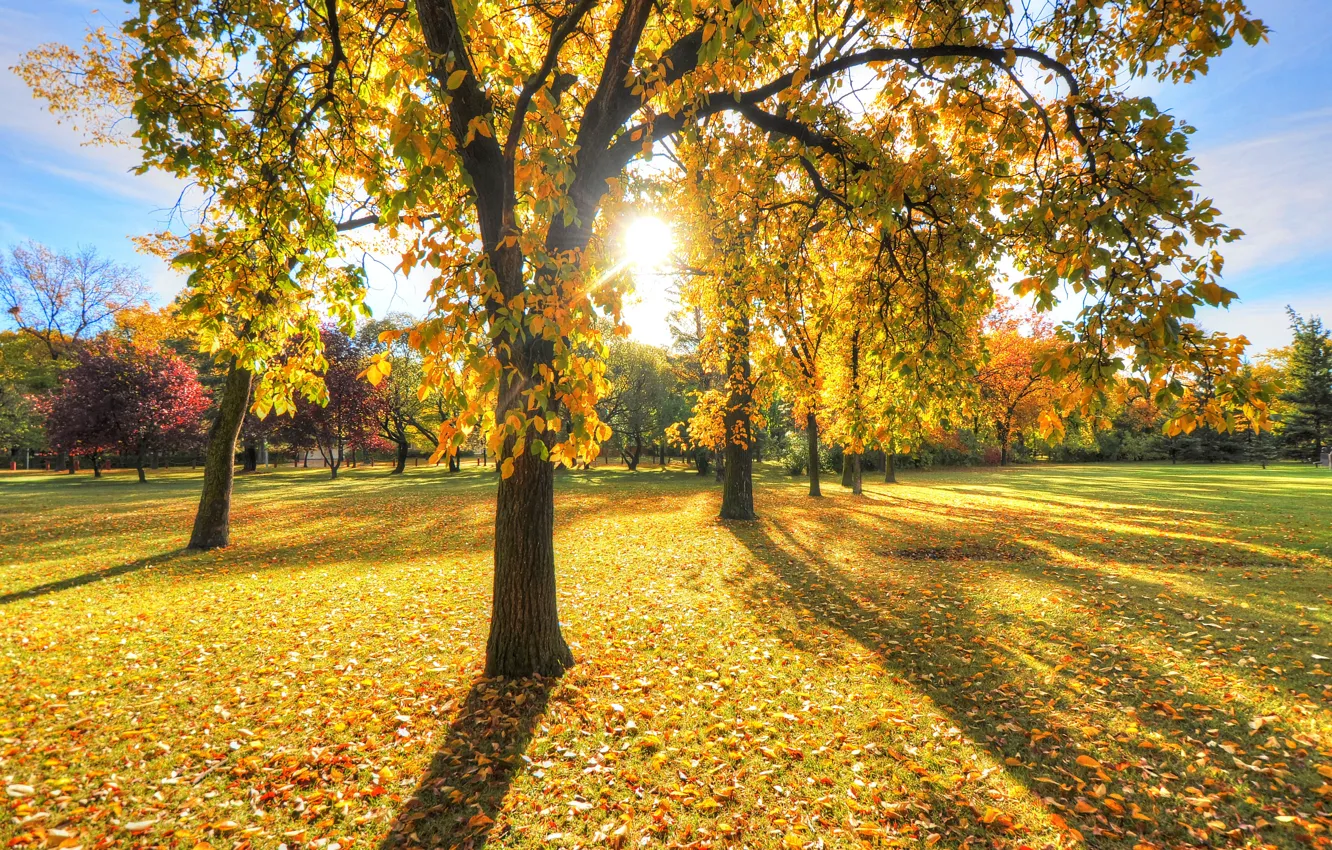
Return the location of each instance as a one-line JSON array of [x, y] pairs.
[[1127, 656]]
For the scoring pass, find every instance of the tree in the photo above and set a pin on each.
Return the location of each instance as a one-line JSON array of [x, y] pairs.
[[1308, 395], [1014, 386], [27, 374], [263, 251], [351, 409], [640, 379], [61, 298], [398, 408], [124, 396]]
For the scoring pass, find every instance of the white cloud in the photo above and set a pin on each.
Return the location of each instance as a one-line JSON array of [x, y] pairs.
[[1277, 188]]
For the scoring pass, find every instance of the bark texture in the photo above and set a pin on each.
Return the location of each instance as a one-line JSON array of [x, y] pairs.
[[402, 459], [738, 465], [524, 624], [212, 522], [889, 469], [812, 439]]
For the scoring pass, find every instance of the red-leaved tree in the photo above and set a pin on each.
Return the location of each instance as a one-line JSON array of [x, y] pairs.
[[348, 420], [134, 398]]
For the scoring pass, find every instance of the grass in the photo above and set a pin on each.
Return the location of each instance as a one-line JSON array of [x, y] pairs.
[[1110, 656]]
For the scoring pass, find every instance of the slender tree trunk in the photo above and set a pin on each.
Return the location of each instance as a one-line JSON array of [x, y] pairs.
[[402, 458], [889, 472], [856, 481], [738, 486], [212, 522], [250, 458], [138, 465], [812, 442]]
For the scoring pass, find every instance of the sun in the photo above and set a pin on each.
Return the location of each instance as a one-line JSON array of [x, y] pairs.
[[648, 243]]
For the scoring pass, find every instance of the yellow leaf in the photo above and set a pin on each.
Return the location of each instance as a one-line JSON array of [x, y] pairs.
[[456, 79], [1088, 761], [506, 468]]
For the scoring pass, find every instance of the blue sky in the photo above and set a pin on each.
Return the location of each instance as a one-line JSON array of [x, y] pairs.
[[1264, 133]]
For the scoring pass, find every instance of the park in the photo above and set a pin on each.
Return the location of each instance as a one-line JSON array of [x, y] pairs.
[[704, 424]]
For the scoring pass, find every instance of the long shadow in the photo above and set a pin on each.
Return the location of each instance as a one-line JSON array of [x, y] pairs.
[[89, 578], [460, 798], [1006, 684]]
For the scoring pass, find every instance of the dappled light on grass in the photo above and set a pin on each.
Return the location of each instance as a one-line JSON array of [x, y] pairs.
[[984, 659]]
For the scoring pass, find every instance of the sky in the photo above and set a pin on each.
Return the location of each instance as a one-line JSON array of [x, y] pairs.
[[1264, 132]]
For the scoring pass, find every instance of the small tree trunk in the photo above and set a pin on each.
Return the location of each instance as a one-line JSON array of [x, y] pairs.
[[251, 457], [138, 465], [97, 465], [848, 473], [856, 487], [212, 522], [889, 472], [525, 623], [812, 442], [402, 458]]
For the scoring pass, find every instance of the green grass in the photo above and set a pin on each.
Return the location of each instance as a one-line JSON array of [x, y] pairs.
[[1063, 656]]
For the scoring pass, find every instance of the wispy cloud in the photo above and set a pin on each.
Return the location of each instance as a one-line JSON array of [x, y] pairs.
[[1276, 188]]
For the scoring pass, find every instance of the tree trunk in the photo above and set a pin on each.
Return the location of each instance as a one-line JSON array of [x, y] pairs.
[[402, 459], [856, 480], [889, 472], [250, 461], [812, 440], [212, 522], [97, 466], [138, 465], [848, 473], [738, 487], [525, 624]]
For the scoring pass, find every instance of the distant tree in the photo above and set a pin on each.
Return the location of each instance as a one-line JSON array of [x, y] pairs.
[[1013, 389], [640, 379], [348, 417], [400, 408], [124, 396], [61, 298], [1308, 395], [27, 373]]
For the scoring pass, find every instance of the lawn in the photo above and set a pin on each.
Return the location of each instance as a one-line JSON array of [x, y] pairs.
[[1099, 656]]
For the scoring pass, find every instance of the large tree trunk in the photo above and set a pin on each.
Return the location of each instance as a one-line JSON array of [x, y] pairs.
[[525, 624], [212, 522], [812, 440], [738, 489], [402, 458]]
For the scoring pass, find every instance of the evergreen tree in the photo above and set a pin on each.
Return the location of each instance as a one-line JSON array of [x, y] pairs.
[[1308, 424]]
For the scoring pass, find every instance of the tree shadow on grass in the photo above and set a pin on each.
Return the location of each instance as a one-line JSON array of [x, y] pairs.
[[1033, 692], [462, 794], [89, 578]]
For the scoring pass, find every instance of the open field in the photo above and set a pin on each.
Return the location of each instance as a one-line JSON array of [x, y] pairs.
[[1061, 656]]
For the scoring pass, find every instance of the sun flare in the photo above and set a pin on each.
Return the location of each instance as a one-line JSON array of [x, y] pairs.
[[648, 243]]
